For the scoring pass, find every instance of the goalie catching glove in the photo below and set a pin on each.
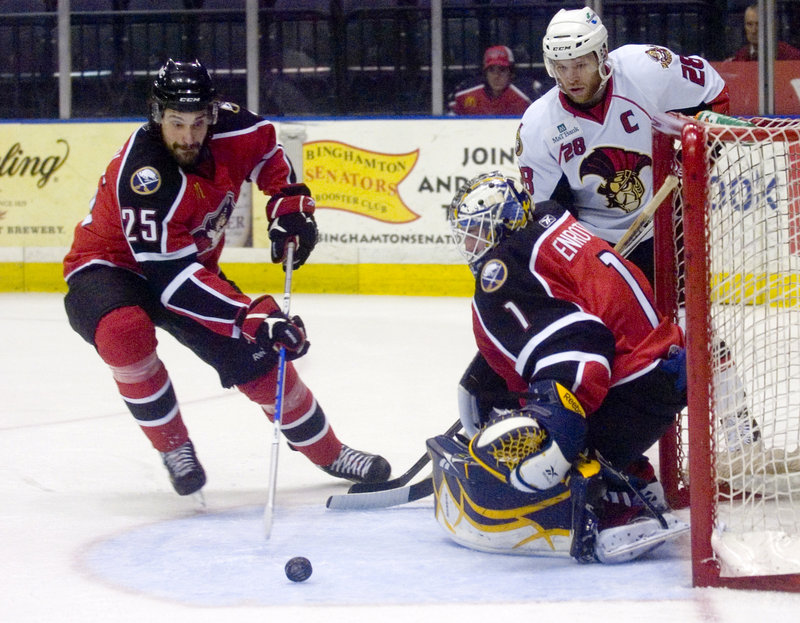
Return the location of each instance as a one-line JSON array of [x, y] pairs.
[[532, 448], [262, 323], [291, 218]]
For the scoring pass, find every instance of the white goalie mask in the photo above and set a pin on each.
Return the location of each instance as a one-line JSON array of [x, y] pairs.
[[574, 33], [483, 211]]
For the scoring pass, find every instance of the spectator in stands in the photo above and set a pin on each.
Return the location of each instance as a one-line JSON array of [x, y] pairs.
[[749, 51], [496, 95]]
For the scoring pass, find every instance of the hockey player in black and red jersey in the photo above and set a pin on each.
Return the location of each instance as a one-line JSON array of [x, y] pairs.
[[587, 142], [147, 255], [574, 360]]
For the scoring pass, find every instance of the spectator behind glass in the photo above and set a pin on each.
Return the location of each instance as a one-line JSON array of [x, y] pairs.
[[749, 51], [495, 95]]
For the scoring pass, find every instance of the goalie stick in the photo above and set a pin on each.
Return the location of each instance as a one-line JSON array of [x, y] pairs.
[[394, 483], [382, 499], [657, 515], [634, 234]]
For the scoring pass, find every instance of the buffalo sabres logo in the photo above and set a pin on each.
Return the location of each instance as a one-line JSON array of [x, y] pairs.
[[234, 108], [493, 276], [660, 55], [620, 171], [145, 181], [518, 142]]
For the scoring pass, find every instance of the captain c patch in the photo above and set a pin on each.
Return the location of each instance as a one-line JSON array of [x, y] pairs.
[[493, 275]]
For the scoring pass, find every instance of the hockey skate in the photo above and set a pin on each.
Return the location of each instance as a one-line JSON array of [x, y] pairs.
[[634, 539], [621, 503], [185, 472], [358, 466]]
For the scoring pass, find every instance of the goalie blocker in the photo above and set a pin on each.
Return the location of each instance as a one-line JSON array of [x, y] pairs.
[[479, 511]]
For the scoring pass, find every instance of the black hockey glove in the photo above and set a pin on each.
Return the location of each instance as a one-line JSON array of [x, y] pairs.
[[290, 213], [265, 325], [299, 227]]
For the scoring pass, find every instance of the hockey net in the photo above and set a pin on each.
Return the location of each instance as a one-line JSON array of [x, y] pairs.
[[728, 258]]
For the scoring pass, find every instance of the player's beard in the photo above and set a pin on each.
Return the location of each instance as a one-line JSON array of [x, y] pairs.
[[186, 155]]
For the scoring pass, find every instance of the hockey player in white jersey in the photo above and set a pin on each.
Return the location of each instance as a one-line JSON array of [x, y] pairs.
[[587, 141]]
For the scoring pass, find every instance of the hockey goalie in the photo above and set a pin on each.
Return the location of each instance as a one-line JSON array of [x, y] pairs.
[[576, 377]]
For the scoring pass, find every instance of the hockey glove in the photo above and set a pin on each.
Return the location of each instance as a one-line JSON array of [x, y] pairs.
[[516, 449], [265, 325], [533, 448], [298, 227], [290, 213]]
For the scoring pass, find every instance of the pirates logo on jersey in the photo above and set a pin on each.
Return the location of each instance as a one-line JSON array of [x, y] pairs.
[[620, 171], [209, 233], [661, 56], [493, 276], [145, 181]]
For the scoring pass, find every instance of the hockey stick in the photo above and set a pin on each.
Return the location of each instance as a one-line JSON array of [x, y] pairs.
[[632, 236], [276, 420], [624, 478], [394, 483], [381, 499]]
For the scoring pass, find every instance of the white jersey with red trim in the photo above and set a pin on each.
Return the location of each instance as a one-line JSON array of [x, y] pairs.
[[605, 153]]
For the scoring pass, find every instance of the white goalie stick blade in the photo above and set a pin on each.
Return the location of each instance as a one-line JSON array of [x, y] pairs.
[[381, 499], [625, 543]]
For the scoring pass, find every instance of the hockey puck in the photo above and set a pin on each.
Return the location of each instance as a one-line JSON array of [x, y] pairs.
[[298, 569]]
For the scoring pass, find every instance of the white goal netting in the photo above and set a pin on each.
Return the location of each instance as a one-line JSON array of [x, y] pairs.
[[752, 250]]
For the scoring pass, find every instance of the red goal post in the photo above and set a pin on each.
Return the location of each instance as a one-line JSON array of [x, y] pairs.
[[728, 268]]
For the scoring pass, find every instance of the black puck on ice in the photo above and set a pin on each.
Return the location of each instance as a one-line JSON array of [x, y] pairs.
[[298, 569]]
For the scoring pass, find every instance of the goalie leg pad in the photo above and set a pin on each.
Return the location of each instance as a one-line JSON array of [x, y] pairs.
[[478, 511]]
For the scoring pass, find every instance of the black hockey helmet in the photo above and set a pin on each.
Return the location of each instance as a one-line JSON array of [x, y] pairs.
[[183, 86]]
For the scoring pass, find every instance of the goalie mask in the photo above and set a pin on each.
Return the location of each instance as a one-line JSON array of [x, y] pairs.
[[484, 211], [185, 87], [575, 33]]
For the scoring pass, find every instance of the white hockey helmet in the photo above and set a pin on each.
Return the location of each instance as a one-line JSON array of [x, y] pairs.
[[483, 211], [574, 33]]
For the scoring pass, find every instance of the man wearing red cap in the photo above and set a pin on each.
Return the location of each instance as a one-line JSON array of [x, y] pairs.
[[495, 95]]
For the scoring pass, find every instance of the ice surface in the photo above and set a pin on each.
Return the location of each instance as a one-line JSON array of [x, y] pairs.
[[90, 529]]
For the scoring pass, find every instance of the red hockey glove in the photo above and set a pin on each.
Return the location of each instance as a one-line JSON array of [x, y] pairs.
[[264, 324], [291, 218]]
